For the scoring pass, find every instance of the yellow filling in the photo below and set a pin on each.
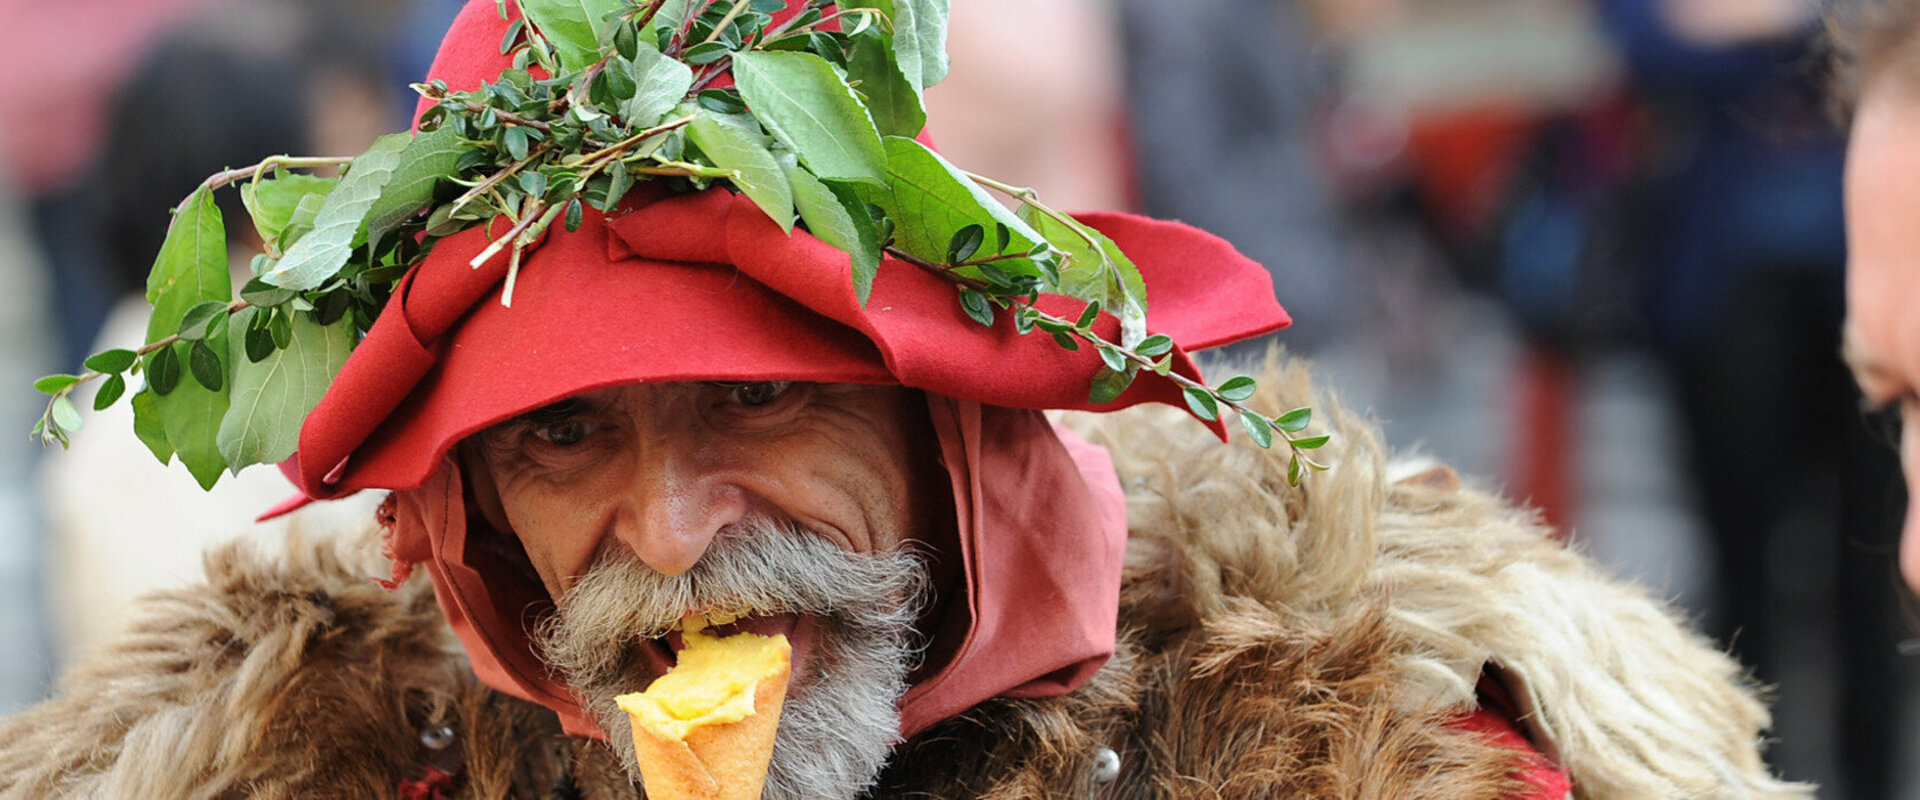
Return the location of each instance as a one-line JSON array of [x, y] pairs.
[[713, 683]]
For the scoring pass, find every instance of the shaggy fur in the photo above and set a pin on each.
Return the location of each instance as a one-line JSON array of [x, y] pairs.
[[1278, 642], [1631, 702]]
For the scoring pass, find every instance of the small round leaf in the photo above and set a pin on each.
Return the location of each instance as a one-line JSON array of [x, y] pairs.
[[110, 391], [1202, 404], [163, 371], [205, 365], [1259, 428], [65, 415], [54, 384], [1238, 389], [112, 361]]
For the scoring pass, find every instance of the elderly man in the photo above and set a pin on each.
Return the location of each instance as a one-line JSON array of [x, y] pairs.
[[687, 410]]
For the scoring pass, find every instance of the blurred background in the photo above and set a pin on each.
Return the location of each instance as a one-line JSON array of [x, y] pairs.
[[1587, 251]]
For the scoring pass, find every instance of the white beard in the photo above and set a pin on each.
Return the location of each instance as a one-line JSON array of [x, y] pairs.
[[841, 718]]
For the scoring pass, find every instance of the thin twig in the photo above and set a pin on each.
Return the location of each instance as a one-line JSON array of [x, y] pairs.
[[1088, 336], [225, 177]]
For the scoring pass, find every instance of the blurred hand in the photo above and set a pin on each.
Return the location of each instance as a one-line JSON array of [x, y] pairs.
[[1715, 23]]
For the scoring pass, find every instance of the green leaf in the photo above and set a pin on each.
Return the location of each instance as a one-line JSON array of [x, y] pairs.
[[260, 293], [200, 318], [838, 217], [119, 360], [191, 268], [301, 223], [1111, 383], [163, 370], [535, 183], [115, 386], [723, 101], [928, 199], [919, 36], [428, 158], [1311, 442], [619, 82], [1293, 471], [576, 214], [271, 397], [1157, 344], [1066, 341], [271, 202], [52, 384], [706, 53], [65, 415], [512, 37], [190, 415], [280, 326], [805, 104], [1258, 427], [896, 104], [1113, 359], [1088, 316], [1238, 388], [516, 141], [147, 427], [1294, 421], [321, 253], [757, 174], [206, 367], [965, 243], [976, 306], [258, 342], [1096, 270], [572, 27], [660, 84], [1202, 403], [672, 14]]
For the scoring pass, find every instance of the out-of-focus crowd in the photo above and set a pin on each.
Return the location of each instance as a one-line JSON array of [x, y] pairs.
[[1590, 251]]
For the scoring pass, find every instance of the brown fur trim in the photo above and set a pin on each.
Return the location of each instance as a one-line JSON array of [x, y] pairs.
[[1469, 580], [1248, 706], [270, 680]]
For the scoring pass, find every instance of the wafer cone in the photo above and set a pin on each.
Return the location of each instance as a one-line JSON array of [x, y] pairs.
[[710, 759]]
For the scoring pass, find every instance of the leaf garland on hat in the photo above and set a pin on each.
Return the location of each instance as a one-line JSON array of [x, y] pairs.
[[816, 130]]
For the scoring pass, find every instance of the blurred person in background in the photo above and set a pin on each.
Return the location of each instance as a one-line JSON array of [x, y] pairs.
[[1735, 225], [227, 87], [1230, 91]]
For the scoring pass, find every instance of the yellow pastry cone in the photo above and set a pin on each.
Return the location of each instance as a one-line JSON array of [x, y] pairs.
[[705, 730]]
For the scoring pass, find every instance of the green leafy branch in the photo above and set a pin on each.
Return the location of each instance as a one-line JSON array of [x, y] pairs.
[[979, 297], [817, 130]]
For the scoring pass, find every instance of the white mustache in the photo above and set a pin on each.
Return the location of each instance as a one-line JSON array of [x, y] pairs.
[[759, 566]]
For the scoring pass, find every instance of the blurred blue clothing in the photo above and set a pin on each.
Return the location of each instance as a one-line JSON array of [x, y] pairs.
[[1747, 172]]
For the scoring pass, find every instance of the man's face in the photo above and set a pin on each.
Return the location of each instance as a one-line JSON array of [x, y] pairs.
[[1883, 274], [783, 504]]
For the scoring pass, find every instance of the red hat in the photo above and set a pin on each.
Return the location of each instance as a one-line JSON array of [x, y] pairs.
[[705, 286]]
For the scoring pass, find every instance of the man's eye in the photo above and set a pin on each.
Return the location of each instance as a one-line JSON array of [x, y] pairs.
[[565, 433], [757, 393]]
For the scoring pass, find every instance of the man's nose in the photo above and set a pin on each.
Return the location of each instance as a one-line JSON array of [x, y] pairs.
[[677, 501]]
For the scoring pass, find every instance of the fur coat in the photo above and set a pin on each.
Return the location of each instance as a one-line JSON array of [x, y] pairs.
[[1312, 641]]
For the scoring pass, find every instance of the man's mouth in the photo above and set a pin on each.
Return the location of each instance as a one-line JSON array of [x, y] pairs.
[[663, 652]]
